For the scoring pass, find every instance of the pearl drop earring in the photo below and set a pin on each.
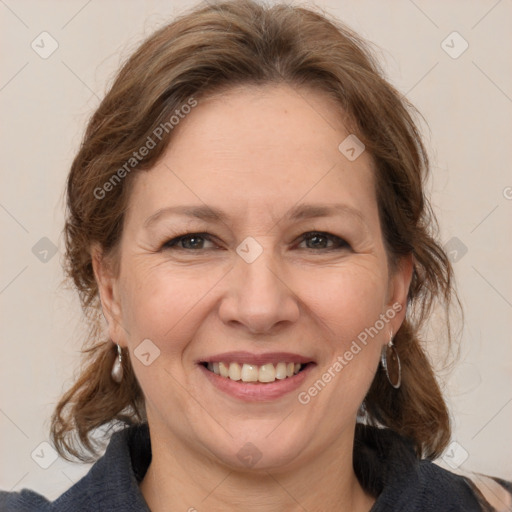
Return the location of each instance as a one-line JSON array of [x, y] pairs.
[[117, 368]]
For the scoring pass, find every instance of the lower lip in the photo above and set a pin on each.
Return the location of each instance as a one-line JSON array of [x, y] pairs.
[[257, 391]]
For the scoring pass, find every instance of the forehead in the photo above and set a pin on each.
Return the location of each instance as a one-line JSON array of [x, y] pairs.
[[257, 148]]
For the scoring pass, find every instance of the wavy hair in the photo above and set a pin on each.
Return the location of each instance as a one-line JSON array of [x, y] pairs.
[[211, 49]]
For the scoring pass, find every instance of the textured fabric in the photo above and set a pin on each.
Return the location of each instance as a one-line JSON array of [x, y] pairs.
[[110, 485], [385, 464]]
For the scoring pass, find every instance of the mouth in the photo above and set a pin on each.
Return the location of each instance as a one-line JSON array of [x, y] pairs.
[[253, 378], [253, 373], [256, 377]]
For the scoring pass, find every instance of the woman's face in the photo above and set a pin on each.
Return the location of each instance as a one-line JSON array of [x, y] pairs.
[[292, 270]]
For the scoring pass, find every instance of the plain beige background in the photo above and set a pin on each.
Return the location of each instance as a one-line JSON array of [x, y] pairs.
[[45, 103]]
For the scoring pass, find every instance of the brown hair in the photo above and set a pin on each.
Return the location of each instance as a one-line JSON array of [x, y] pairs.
[[244, 43]]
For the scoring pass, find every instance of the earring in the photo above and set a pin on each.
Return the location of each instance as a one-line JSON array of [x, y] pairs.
[[117, 368], [391, 363]]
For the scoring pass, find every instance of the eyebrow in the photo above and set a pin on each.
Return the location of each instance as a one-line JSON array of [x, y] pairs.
[[300, 212]]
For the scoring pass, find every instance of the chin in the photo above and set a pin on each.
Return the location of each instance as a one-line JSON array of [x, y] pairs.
[[261, 451]]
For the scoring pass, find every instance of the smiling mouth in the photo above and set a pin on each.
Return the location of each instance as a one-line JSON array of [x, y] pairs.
[[264, 374]]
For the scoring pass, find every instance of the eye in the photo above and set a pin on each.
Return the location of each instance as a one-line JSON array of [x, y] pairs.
[[320, 240], [190, 241], [314, 240]]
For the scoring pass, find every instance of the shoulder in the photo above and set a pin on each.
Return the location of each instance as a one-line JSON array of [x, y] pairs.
[[23, 501], [489, 493], [111, 484], [494, 494], [424, 486], [440, 484], [388, 468]]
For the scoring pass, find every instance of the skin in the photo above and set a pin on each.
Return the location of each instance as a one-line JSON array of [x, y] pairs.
[[255, 153]]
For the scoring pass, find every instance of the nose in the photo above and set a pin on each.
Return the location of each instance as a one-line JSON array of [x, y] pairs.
[[258, 296]]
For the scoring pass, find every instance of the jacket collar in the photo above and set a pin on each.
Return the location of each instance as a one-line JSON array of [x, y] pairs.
[[384, 462]]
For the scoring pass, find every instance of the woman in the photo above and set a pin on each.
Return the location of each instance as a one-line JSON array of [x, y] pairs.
[[247, 212]]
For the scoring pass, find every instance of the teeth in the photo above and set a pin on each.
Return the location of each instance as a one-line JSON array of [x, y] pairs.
[[249, 373], [224, 370], [254, 373], [234, 371], [267, 373], [281, 371]]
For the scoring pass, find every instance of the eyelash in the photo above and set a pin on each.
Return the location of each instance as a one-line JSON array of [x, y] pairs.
[[172, 244]]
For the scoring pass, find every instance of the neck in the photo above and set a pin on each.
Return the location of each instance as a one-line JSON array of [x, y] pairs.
[[179, 478]]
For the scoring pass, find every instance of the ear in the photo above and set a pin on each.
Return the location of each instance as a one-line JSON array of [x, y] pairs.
[[108, 289], [398, 289]]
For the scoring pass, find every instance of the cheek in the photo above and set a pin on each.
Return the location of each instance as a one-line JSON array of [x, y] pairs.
[[166, 304], [349, 301], [348, 297], [161, 303]]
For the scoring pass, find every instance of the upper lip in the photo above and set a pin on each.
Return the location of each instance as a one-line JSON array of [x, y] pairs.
[[256, 359]]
